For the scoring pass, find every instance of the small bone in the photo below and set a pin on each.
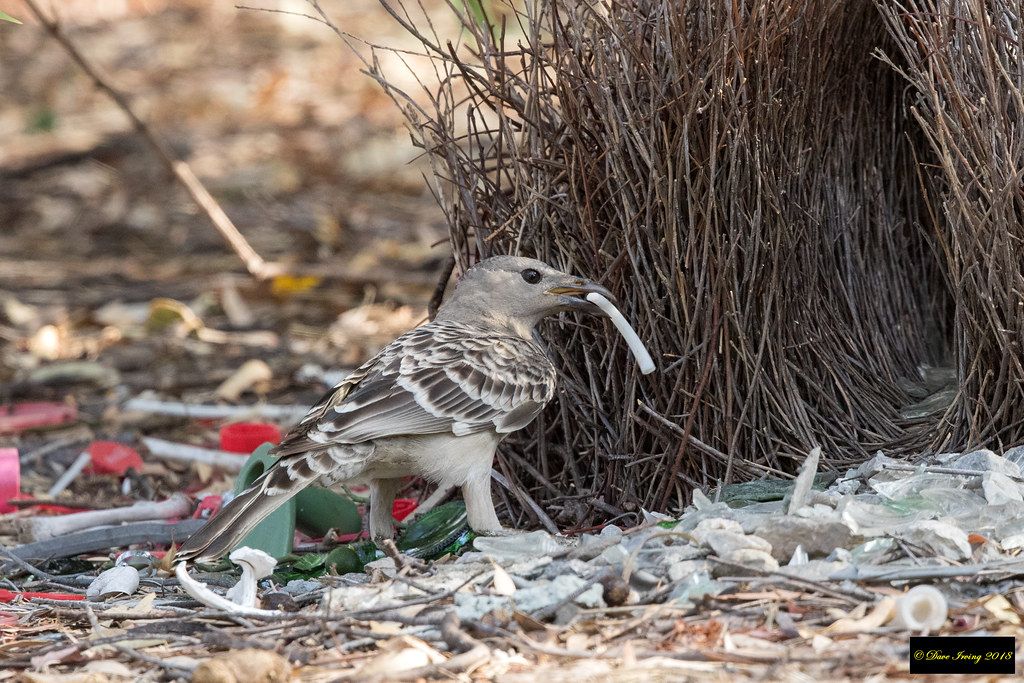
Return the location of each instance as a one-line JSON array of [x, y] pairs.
[[42, 528], [643, 358], [251, 373], [180, 452]]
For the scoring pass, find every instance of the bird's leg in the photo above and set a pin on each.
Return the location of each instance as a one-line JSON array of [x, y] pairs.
[[382, 497], [476, 493]]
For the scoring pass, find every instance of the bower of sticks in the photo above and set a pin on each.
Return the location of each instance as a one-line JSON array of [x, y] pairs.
[[810, 210]]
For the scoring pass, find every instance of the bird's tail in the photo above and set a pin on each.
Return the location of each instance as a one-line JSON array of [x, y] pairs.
[[250, 507]]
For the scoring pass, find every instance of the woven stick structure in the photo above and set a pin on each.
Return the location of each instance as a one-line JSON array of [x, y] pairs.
[[811, 211]]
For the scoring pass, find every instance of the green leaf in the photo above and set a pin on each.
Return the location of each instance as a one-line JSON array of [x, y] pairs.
[[4, 16]]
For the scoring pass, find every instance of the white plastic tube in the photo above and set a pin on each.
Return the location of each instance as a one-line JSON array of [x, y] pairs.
[[922, 608], [643, 358]]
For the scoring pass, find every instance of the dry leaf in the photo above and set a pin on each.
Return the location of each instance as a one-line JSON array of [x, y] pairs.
[[400, 654], [1001, 609], [879, 615], [502, 583], [144, 605]]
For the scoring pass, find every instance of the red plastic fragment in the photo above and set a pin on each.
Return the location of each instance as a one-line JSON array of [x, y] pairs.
[[208, 507], [8, 596], [46, 508], [402, 508], [22, 416], [245, 437], [111, 457], [10, 478]]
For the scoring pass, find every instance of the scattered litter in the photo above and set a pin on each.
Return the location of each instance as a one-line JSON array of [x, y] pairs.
[[937, 539]]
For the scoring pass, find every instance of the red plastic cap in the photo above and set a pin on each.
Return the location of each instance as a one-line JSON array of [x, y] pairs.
[[402, 508], [10, 478], [208, 507], [111, 457], [245, 437]]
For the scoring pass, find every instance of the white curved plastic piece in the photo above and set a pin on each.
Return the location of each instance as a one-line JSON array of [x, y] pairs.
[[919, 609], [643, 358], [255, 565], [200, 591]]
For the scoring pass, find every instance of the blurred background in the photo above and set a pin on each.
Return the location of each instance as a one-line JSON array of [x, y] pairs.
[[114, 283]]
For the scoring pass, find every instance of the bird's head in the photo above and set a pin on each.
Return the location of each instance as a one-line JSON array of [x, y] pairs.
[[518, 292]]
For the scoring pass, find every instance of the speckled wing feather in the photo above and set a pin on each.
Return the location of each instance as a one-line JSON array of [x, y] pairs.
[[442, 377], [438, 378]]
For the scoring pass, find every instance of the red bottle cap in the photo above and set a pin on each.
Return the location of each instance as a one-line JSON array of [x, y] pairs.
[[10, 478], [111, 457], [245, 437], [208, 507]]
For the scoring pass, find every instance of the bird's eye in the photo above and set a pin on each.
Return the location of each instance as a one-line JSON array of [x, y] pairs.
[[530, 275]]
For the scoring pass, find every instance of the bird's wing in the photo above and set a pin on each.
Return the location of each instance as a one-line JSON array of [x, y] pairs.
[[438, 378]]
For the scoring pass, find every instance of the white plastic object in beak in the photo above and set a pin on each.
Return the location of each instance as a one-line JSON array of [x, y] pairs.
[[643, 358]]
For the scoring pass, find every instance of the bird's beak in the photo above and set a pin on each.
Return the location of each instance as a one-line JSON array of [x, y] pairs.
[[574, 295]]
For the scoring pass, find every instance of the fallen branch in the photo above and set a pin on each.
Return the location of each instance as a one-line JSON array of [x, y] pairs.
[[254, 263]]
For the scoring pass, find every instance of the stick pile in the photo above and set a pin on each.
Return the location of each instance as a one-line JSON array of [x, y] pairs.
[[797, 204]]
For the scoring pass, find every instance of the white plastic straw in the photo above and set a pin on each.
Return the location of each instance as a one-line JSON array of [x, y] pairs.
[[70, 474], [643, 358], [169, 450]]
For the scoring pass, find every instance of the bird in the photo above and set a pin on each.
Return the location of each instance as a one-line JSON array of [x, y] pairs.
[[435, 403]]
